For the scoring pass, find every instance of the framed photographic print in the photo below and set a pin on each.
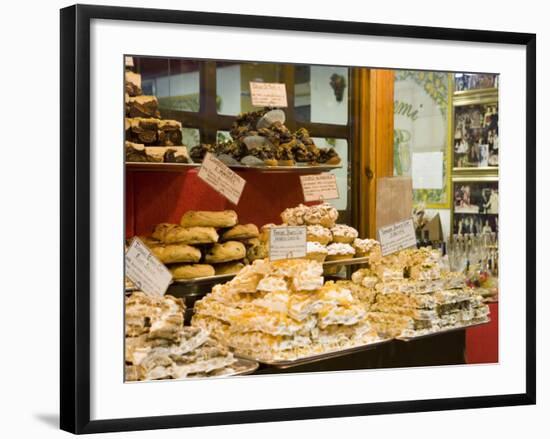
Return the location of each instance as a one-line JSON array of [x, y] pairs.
[[475, 206], [464, 82], [476, 139], [222, 260]]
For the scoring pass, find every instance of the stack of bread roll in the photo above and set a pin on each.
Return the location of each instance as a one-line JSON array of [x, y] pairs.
[[205, 243], [148, 137]]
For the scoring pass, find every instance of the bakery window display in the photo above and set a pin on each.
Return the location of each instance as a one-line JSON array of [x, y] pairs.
[[213, 243], [415, 296], [158, 346], [283, 310], [261, 138], [327, 241], [258, 138]]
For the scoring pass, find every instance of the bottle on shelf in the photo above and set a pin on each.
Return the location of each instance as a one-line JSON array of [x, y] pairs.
[[426, 240]]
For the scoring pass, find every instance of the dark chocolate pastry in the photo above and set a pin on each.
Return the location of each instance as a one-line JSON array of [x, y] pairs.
[[198, 152], [176, 155], [328, 156]]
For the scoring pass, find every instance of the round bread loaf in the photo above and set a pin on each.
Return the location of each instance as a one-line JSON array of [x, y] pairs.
[[228, 267], [172, 233], [191, 271], [225, 252], [203, 218], [241, 232], [174, 253]]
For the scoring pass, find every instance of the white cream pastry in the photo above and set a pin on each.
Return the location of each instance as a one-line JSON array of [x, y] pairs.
[[308, 279], [272, 283], [343, 233], [338, 250], [323, 214], [316, 251], [370, 247], [319, 234]]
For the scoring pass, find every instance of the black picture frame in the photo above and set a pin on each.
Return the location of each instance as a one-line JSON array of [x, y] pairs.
[[75, 217]]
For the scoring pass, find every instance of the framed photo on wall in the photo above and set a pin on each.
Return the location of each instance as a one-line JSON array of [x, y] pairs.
[[218, 252], [475, 206]]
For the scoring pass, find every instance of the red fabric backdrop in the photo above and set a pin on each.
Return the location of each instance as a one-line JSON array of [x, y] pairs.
[[156, 197]]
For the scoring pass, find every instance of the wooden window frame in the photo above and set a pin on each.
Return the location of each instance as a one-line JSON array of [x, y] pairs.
[[368, 132]]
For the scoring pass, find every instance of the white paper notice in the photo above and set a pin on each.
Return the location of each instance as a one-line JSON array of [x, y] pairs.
[[319, 187], [287, 242], [427, 170], [145, 270], [222, 179], [397, 236], [268, 94]]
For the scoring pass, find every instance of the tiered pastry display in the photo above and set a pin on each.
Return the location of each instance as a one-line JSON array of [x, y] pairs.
[[158, 346], [327, 240], [148, 138], [204, 244], [282, 310], [260, 138], [414, 296]]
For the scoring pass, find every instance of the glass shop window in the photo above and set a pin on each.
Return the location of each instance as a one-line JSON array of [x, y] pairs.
[[321, 94], [191, 137], [232, 84], [175, 82], [342, 174]]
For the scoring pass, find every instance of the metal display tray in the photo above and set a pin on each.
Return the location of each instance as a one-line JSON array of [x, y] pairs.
[[443, 331], [350, 261], [226, 277], [207, 279], [285, 364], [176, 167], [244, 366]]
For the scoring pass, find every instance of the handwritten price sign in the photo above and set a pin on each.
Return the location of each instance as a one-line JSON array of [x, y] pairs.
[[287, 242], [222, 179], [145, 270], [268, 94], [397, 236]]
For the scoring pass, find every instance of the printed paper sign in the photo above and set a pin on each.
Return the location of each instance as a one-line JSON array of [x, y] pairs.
[[319, 187], [145, 270], [397, 236], [427, 170], [287, 242], [268, 94], [222, 179]]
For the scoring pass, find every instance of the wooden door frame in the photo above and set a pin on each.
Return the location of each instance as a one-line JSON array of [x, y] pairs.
[[372, 113]]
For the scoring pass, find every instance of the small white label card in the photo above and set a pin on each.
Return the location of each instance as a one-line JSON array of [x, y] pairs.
[[268, 94], [145, 270], [397, 236], [287, 242], [427, 170], [222, 179], [319, 187]]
